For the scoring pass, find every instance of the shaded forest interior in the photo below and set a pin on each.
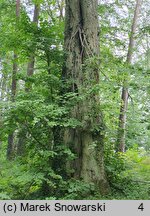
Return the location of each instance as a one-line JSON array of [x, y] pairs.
[[74, 99]]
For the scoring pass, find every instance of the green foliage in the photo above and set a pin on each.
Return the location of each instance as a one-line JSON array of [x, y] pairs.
[[128, 174], [79, 190], [39, 116]]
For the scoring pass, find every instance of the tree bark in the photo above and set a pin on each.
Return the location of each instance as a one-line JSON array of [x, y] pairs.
[[30, 67], [10, 146], [28, 86], [61, 4], [81, 47], [125, 95], [3, 87]]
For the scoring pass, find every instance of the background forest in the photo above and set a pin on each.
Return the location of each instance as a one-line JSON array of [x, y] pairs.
[[41, 106]]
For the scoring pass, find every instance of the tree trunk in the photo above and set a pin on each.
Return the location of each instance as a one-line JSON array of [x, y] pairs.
[[28, 86], [60, 5], [10, 147], [30, 67], [124, 96], [3, 87], [81, 75], [14, 81]]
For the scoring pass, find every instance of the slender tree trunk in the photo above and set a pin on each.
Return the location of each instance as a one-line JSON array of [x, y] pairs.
[[10, 147], [14, 81], [30, 67], [2, 96], [81, 47], [61, 4], [124, 96], [28, 86], [3, 87]]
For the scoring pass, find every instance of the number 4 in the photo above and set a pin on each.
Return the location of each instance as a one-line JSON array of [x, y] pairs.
[[141, 207]]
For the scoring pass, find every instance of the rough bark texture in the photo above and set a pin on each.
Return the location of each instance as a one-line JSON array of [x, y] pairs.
[[124, 96], [10, 147], [81, 47]]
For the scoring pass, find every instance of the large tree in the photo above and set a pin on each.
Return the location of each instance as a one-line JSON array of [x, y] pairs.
[[81, 75]]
